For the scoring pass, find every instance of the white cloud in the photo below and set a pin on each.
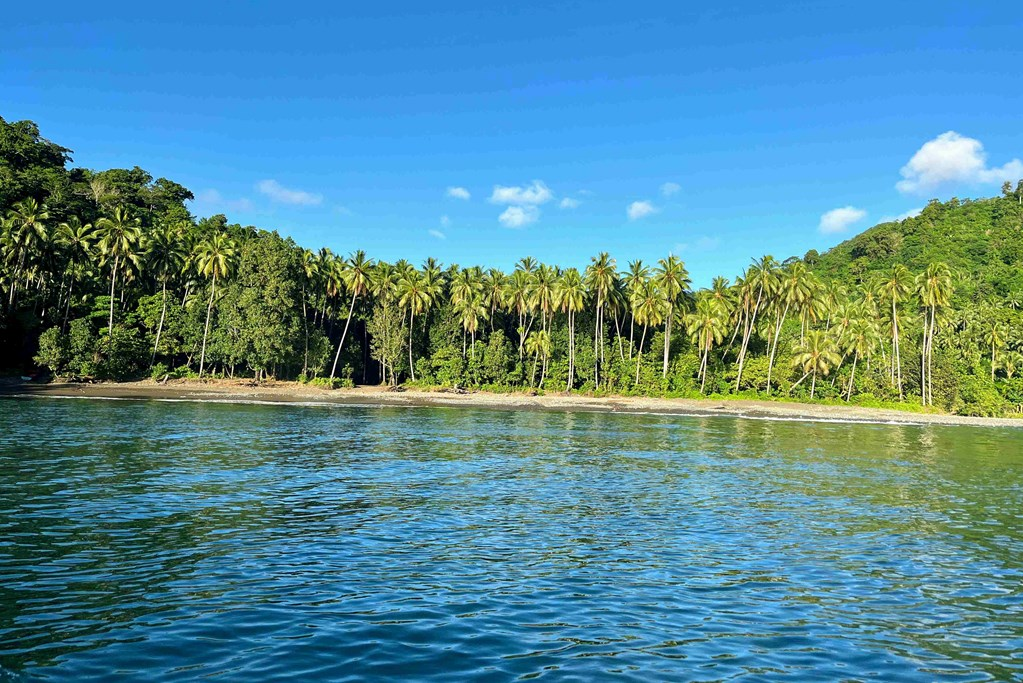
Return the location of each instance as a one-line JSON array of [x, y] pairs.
[[638, 210], [343, 210], [277, 192], [534, 194], [569, 203], [213, 198], [519, 216], [668, 189], [445, 221], [458, 193], [438, 234], [953, 158], [837, 220]]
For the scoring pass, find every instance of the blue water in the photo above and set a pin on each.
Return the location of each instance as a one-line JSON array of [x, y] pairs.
[[144, 541]]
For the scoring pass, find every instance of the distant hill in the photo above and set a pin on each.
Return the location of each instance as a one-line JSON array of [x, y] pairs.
[[981, 240]]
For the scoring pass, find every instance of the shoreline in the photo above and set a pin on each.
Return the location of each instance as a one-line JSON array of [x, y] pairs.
[[242, 391]]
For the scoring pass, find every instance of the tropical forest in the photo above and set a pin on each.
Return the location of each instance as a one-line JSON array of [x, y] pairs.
[[106, 275]]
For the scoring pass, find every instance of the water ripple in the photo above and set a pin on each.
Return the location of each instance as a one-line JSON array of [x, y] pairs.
[[155, 541]]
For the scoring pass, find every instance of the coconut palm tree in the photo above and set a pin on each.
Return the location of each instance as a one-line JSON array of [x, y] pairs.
[[599, 280], [754, 285], [77, 240], [538, 344], [495, 285], [707, 326], [119, 235], [214, 260], [649, 309], [355, 275], [570, 297], [790, 290], [165, 258], [858, 339], [414, 295], [995, 335], [934, 289], [517, 298], [672, 281], [818, 355], [25, 233], [893, 291], [633, 282]]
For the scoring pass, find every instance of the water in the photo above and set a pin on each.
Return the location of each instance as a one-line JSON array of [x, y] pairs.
[[174, 541]]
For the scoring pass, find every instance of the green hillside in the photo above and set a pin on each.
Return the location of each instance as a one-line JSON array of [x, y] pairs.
[[981, 240]]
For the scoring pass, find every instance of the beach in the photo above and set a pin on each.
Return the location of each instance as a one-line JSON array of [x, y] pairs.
[[241, 391]]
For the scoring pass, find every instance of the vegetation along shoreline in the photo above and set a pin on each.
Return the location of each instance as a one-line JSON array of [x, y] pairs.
[[106, 275]]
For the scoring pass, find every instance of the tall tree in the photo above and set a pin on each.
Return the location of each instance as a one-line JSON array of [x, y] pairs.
[[673, 281], [214, 260], [570, 296], [120, 234], [356, 278], [165, 258]]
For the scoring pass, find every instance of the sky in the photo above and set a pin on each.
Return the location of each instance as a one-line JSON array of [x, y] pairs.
[[479, 133]]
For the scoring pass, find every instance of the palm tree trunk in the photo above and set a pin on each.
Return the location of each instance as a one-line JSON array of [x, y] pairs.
[[774, 346], [639, 353], [703, 367], [305, 323], [113, 281], [596, 351], [571, 349], [159, 328], [813, 384], [897, 351], [206, 330], [747, 333], [852, 376], [337, 355], [411, 330], [618, 333], [667, 339]]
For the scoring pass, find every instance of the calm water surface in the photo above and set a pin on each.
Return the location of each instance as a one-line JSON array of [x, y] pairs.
[[175, 541]]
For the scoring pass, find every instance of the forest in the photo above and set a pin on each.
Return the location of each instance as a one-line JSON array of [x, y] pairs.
[[106, 275]]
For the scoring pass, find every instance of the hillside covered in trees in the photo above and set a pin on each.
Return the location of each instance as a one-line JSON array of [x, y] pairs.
[[107, 275]]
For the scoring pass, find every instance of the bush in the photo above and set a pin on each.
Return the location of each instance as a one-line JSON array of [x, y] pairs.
[[159, 371], [54, 351]]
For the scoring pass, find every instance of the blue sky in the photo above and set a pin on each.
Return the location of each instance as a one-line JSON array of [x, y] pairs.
[[639, 128]]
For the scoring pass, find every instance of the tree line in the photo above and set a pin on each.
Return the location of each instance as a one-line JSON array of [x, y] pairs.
[[107, 275]]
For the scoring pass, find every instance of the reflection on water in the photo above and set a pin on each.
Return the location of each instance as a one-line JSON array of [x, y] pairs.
[[171, 541]]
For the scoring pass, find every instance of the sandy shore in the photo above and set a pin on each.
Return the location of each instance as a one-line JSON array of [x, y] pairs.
[[289, 392]]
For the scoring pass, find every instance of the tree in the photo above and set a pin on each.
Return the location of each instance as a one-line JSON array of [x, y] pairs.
[[24, 234], [570, 297], [600, 276], [356, 277], [894, 290], [77, 239], [414, 295], [165, 257], [707, 326], [215, 259], [672, 281], [120, 234], [934, 290], [818, 355], [757, 282], [649, 309]]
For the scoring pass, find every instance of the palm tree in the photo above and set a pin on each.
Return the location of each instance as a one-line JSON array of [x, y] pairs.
[[517, 298], [791, 289], [494, 287], [119, 234], [934, 289], [470, 310], [355, 275], [706, 327], [649, 308], [77, 239], [995, 338], [758, 281], [415, 296], [817, 355], [570, 297], [215, 260], [165, 257], [600, 275], [538, 344], [383, 286], [672, 280], [633, 282], [860, 340], [310, 273], [25, 232], [893, 291]]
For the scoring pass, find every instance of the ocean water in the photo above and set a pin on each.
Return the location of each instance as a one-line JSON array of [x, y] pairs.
[[145, 540]]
